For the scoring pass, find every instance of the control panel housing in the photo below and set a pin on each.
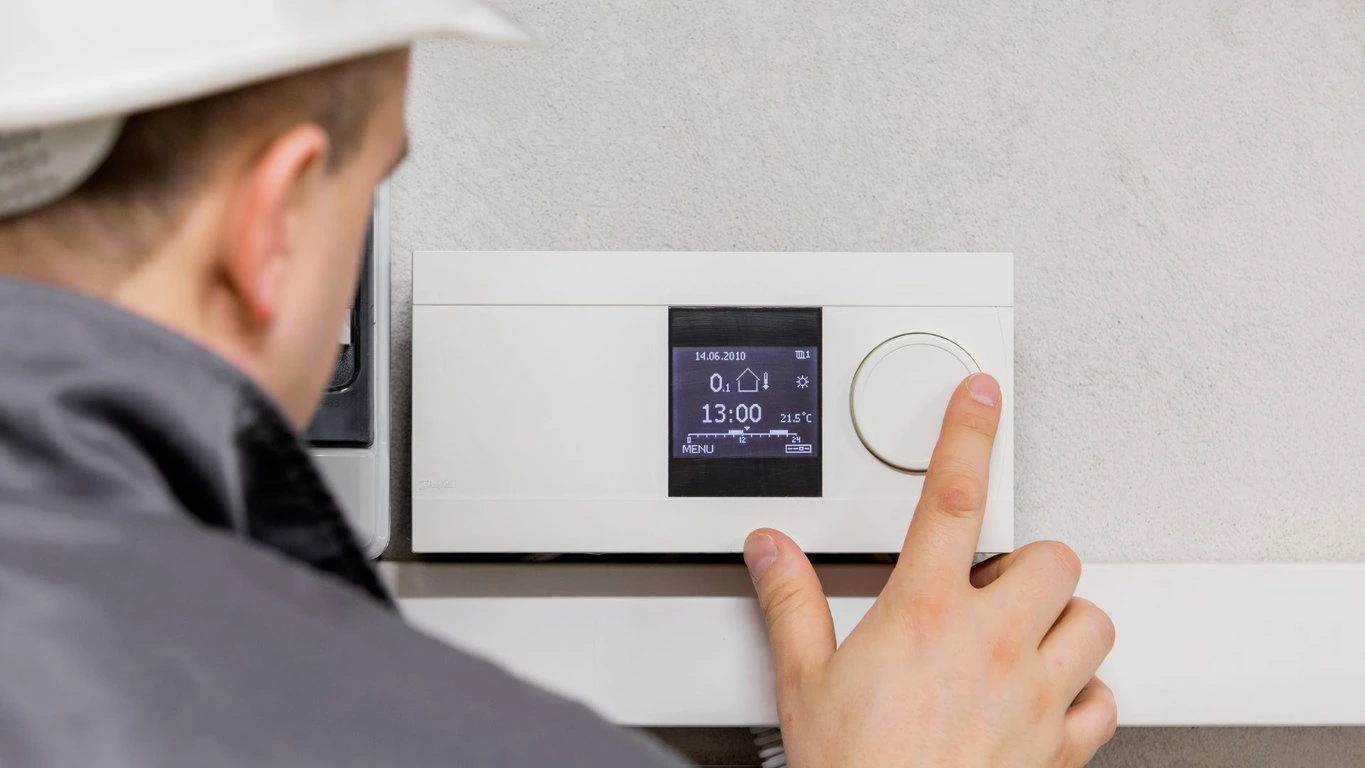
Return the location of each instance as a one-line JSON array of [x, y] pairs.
[[619, 402]]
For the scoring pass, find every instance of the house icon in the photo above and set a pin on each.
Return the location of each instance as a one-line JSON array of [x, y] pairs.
[[748, 381]]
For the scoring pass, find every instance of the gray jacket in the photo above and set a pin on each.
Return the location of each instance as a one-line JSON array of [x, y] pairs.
[[177, 588]]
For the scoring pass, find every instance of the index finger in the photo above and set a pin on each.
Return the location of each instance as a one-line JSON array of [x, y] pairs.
[[946, 527]]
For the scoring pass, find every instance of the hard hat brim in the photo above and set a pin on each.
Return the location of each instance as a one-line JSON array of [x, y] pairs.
[[71, 71], [127, 57]]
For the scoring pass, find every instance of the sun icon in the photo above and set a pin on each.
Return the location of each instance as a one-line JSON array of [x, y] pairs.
[[802, 382]]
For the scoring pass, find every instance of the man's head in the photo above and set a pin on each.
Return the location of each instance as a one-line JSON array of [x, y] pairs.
[[237, 219]]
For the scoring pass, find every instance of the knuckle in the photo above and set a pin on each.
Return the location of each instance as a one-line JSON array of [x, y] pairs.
[[1006, 650], [783, 601], [1008, 640], [1105, 626], [958, 493], [1097, 620], [1063, 558], [978, 422], [926, 613]]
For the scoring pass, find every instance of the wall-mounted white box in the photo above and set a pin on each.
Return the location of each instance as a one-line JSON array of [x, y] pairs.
[[549, 403]]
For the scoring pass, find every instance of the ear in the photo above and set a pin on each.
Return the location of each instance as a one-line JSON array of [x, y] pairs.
[[275, 191]]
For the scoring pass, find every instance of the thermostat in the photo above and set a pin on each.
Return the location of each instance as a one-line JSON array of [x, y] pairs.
[[673, 402]]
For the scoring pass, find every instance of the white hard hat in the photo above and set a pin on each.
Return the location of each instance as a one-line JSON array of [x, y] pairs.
[[72, 70]]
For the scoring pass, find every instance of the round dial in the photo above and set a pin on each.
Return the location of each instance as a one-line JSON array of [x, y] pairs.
[[900, 392]]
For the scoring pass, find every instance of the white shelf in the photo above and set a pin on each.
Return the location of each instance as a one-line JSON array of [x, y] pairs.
[[663, 645]]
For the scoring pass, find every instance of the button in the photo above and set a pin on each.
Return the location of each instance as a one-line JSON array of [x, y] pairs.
[[900, 392]]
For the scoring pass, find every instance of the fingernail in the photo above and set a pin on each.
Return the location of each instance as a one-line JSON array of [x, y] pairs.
[[760, 552], [983, 389]]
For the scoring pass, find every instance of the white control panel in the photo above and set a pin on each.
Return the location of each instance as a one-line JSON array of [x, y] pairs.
[[673, 402]]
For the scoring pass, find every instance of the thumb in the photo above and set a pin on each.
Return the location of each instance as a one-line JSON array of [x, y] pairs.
[[800, 626]]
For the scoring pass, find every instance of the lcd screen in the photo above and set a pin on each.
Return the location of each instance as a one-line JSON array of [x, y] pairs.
[[746, 402]]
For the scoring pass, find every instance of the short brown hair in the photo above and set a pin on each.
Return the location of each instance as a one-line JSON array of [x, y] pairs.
[[164, 156]]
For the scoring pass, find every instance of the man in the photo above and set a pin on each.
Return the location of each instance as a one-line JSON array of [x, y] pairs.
[[183, 192]]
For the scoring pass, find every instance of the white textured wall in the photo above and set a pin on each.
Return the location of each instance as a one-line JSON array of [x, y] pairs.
[[1183, 185]]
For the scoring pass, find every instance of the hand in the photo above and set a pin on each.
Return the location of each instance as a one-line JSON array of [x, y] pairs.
[[952, 666]]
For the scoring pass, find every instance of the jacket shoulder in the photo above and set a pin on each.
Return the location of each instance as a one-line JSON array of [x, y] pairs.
[[149, 641]]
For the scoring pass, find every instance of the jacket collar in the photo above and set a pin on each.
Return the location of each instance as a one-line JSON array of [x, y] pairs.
[[103, 412]]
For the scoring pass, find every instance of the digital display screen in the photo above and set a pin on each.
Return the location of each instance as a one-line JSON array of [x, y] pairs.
[[746, 402]]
